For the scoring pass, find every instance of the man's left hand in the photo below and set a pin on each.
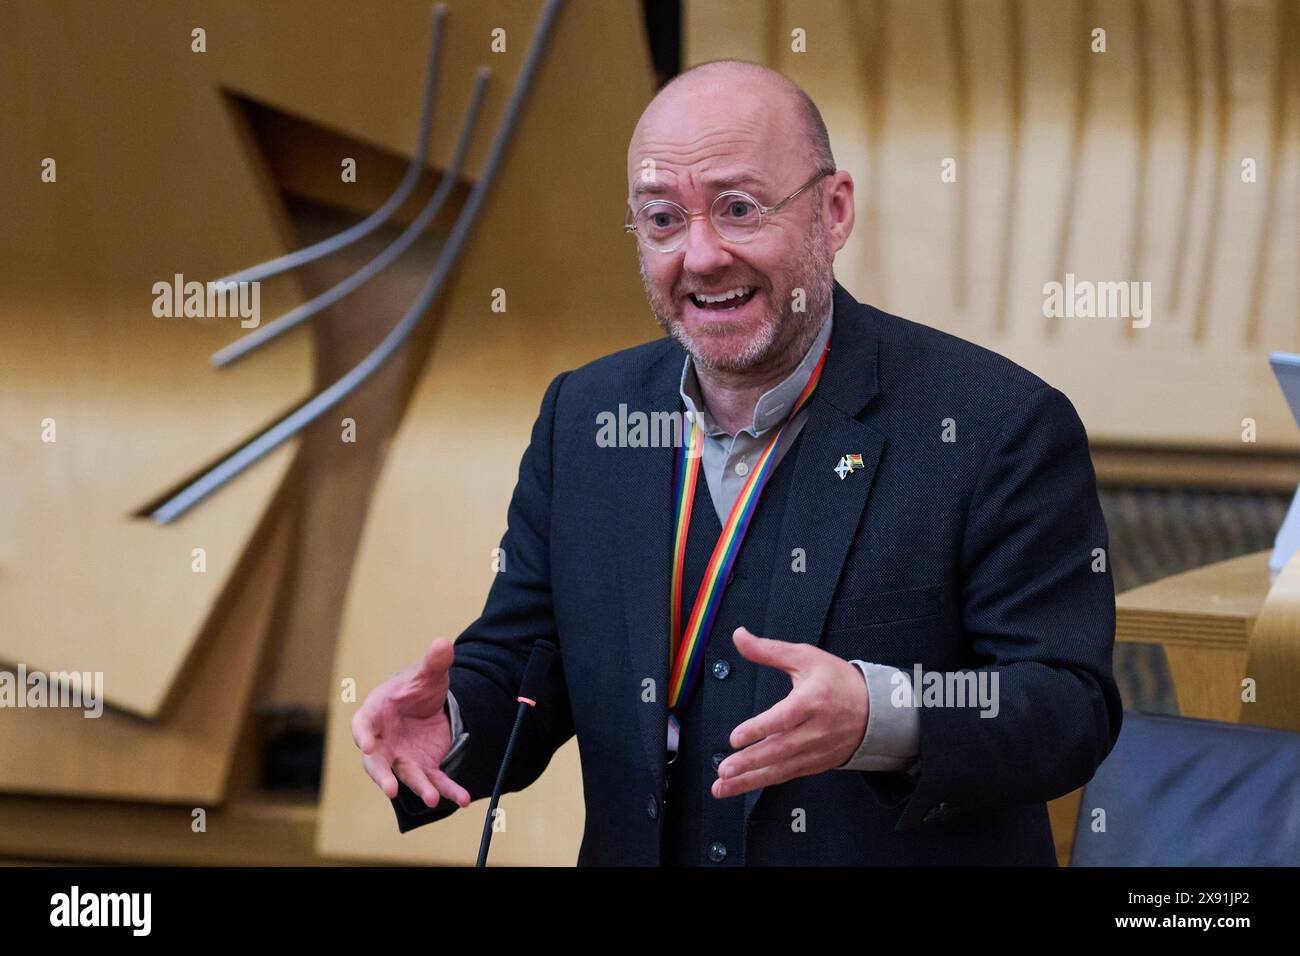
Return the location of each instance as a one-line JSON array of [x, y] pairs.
[[817, 727]]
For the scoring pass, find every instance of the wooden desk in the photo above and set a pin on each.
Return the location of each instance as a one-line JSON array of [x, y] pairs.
[[1203, 618]]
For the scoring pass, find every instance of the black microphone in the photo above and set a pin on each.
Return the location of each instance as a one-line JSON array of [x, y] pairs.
[[539, 662]]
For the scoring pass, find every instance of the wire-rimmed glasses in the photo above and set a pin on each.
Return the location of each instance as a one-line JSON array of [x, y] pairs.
[[736, 216]]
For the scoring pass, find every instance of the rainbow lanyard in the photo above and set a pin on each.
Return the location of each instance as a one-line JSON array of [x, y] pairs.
[[686, 655]]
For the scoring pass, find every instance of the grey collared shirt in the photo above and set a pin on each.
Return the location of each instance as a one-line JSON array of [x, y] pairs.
[[893, 734], [727, 459]]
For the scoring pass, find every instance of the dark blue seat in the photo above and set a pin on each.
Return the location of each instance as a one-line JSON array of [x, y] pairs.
[[1177, 791]]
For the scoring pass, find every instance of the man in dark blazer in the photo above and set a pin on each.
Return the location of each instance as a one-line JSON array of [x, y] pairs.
[[911, 652]]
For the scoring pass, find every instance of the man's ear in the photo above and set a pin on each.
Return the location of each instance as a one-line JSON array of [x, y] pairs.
[[839, 212]]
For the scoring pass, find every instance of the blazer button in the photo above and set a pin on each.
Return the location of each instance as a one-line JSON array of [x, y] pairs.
[[652, 807], [721, 669], [717, 760], [717, 852]]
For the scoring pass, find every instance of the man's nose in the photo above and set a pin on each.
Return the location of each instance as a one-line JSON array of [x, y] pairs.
[[706, 251]]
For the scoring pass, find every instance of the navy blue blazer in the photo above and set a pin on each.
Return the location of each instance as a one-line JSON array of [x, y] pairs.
[[972, 539]]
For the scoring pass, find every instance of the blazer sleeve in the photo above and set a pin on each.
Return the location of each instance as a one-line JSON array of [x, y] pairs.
[[1038, 609], [491, 653]]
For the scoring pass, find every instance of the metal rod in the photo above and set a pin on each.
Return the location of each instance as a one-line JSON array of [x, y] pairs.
[[294, 317], [342, 240], [291, 424]]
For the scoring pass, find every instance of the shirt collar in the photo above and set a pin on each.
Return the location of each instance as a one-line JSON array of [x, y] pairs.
[[775, 405]]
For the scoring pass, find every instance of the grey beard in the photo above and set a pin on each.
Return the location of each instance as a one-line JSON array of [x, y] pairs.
[[800, 328]]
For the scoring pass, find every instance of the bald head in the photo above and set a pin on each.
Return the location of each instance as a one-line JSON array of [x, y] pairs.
[[726, 77]]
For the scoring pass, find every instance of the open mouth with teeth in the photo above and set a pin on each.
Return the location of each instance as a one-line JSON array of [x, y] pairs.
[[726, 301]]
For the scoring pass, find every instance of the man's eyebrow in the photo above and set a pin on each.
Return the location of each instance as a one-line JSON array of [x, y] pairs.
[[719, 183], [732, 180]]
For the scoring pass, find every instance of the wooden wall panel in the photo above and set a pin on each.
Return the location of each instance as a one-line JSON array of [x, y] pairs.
[[439, 509], [335, 478], [358, 68], [152, 180], [184, 756], [1117, 166]]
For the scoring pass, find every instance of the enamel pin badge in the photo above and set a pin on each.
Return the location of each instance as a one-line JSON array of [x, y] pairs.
[[847, 465]]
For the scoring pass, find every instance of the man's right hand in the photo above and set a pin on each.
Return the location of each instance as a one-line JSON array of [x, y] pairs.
[[403, 731]]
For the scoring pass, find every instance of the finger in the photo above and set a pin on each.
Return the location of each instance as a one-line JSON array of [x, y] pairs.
[[781, 717], [451, 789], [415, 778], [363, 730], [764, 650], [768, 752], [437, 659], [764, 777], [381, 774]]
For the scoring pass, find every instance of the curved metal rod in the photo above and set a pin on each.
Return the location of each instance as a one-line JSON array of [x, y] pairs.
[[253, 450], [241, 347], [293, 260]]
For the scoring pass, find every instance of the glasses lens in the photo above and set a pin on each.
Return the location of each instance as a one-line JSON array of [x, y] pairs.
[[735, 216], [660, 225]]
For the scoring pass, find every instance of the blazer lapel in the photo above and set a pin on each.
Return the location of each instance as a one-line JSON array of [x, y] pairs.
[[823, 510], [645, 553]]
